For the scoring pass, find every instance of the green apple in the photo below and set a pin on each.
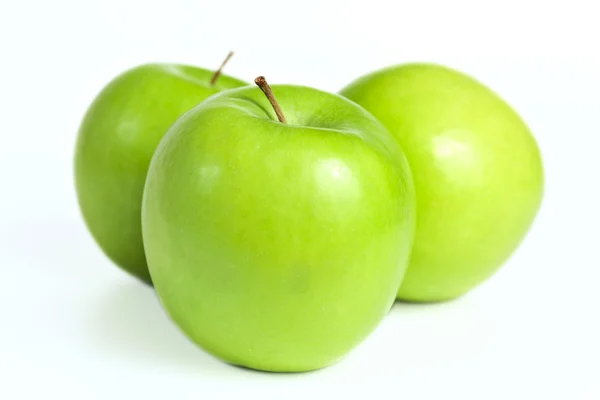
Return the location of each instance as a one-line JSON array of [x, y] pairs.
[[477, 168], [116, 140], [278, 245]]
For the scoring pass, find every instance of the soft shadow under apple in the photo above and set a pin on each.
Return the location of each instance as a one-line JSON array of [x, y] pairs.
[[131, 325], [442, 333]]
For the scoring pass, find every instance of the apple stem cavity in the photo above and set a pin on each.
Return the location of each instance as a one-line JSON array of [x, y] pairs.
[[217, 73], [261, 82]]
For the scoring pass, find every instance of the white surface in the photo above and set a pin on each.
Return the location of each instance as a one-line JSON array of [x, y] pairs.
[[75, 327]]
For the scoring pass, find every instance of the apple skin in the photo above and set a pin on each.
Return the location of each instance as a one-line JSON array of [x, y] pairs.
[[477, 169], [278, 247], [116, 140]]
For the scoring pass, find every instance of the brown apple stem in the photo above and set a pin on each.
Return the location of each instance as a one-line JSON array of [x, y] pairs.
[[217, 73], [261, 82]]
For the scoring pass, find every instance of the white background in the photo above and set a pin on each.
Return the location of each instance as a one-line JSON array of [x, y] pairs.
[[73, 326]]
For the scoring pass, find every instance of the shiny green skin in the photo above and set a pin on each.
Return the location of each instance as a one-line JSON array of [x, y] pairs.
[[278, 247], [116, 141], [477, 168]]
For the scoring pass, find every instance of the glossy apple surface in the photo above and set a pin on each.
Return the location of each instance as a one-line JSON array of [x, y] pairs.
[[477, 168], [278, 246], [115, 143]]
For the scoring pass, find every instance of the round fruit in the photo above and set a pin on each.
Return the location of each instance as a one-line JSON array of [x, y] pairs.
[[278, 246], [116, 141], [477, 168]]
